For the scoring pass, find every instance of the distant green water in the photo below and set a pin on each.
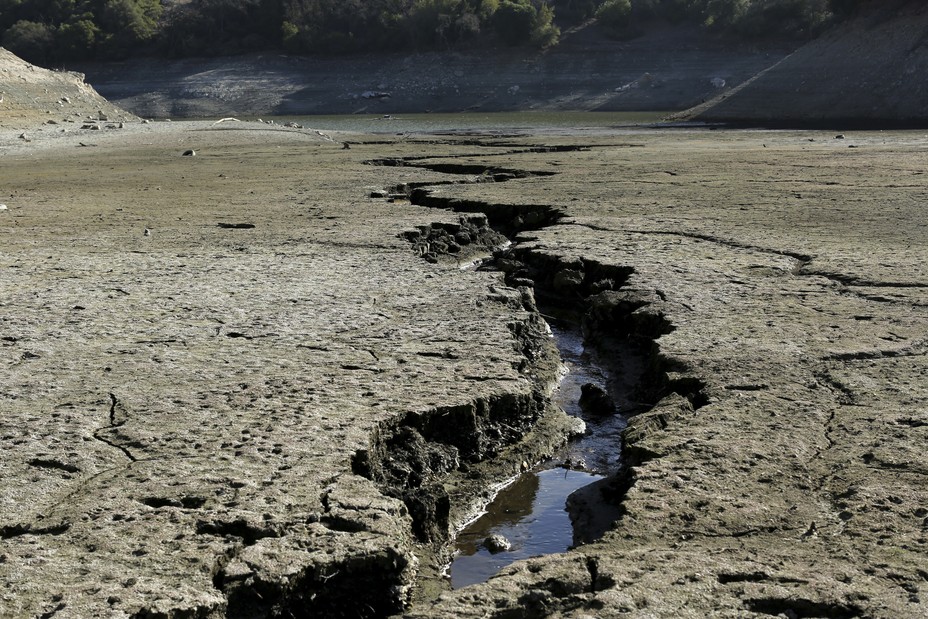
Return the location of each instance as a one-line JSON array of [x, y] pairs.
[[470, 122]]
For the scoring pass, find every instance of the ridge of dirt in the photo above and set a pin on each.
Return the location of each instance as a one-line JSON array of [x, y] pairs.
[[31, 95]]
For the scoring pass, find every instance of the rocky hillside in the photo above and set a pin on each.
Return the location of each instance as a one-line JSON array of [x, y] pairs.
[[30, 96], [869, 71], [670, 68]]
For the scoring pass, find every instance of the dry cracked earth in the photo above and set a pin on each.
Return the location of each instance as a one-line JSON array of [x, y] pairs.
[[236, 384]]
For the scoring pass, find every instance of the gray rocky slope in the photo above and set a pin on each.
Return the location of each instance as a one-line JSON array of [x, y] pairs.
[[670, 68], [867, 71]]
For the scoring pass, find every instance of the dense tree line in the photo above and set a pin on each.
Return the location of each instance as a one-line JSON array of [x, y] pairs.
[[58, 31], [746, 18]]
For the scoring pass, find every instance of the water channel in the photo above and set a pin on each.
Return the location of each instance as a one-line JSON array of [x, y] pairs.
[[531, 512]]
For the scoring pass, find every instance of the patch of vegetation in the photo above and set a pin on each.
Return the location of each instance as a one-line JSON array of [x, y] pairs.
[[795, 19], [58, 31]]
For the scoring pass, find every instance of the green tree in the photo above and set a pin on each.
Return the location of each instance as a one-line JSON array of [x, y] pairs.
[[513, 21], [128, 24], [486, 8], [290, 37], [10, 11], [77, 40], [615, 16], [725, 13], [575, 11], [544, 32], [30, 40]]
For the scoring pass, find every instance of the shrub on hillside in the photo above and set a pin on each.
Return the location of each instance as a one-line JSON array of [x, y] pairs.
[[30, 41], [443, 22], [544, 32], [615, 16], [513, 21], [799, 19], [77, 40], [518, 22]]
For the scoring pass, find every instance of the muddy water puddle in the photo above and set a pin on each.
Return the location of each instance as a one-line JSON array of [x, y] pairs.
[[531, 513]]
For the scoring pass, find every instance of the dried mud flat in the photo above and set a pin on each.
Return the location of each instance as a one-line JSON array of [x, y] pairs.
[[237, 385]]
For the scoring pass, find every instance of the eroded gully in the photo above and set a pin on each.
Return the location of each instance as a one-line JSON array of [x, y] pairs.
[[605, 336]]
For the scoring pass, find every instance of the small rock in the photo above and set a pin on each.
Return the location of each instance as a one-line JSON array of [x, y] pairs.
[[508, 265], [379, 193], [595, 400], [840, 136], [575, 463], [497, 543], [576, 427], [567, 281], [3, 207], [189, 153], [147, 232]]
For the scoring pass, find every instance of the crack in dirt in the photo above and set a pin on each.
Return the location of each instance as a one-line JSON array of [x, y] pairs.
[[597, 291], [802, 259], [17, 530], [114, 423], [918, 348], [802, 607]]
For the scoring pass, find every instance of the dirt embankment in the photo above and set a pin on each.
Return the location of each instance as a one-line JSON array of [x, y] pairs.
[[670, 68], [30, 96], [869, 71]]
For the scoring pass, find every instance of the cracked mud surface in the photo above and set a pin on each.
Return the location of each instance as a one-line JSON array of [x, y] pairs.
[[190, 418], [792, 273]]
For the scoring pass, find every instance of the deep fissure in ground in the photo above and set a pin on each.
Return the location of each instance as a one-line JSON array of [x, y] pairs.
[[479, 443]]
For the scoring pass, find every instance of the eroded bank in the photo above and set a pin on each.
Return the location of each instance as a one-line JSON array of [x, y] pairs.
[[795, 299]]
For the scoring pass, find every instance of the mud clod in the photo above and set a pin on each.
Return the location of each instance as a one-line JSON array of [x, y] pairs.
[[596, 400]]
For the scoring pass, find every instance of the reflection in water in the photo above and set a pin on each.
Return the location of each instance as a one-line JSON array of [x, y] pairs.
[[600, 451], [530, 514]]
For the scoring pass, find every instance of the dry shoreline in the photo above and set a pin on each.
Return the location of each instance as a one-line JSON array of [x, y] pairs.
[[185, 410], [668, 69]]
